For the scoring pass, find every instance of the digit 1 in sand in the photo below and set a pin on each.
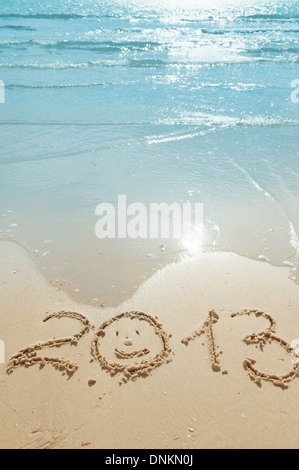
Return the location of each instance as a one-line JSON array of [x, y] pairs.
[[207, 328]]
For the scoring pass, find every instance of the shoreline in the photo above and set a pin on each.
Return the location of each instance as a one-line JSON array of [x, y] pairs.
[[130, 276], [90, 408]]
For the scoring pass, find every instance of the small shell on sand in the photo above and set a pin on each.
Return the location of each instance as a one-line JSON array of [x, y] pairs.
[[128, 342], [263, 258]]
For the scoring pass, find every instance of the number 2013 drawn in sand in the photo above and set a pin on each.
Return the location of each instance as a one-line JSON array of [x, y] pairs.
[[133, 364]]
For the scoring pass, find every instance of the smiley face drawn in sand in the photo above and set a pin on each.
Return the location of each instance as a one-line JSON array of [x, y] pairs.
[[131, 344]]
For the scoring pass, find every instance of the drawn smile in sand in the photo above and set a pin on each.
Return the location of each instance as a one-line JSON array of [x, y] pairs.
[[122, 337], [129, 342]]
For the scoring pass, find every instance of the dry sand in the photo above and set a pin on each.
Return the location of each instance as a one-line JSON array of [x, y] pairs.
[[135, 383]]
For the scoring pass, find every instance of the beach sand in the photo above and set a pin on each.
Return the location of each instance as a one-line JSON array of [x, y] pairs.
[[192, 389]]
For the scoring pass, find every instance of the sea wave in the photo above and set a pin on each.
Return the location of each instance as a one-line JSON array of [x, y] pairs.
[[200, 123], [152, 63], [89, 64], [96, 46], [43, 16], [239, 86], [17, 27], [60, 86], [271, 16], [224, 121], [149, 14]]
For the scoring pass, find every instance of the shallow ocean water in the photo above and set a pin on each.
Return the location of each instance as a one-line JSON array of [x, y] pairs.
[[160, 101]]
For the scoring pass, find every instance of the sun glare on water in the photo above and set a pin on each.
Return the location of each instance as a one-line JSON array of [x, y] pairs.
[[192, 241]]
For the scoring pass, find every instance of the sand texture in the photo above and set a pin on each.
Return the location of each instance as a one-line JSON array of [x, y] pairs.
[[199, 357]]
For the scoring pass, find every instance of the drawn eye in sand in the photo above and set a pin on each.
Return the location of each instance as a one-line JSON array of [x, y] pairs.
[[131, 344]]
